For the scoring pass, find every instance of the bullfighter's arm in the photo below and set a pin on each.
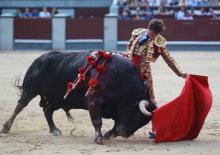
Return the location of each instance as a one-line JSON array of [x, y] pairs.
[[170, 61], [160, 41]]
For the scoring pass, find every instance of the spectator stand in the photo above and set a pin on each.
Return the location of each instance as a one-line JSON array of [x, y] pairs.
[[87, 27], [181, 9], [32, 29]]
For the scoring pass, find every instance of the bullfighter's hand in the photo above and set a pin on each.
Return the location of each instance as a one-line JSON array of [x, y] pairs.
[[184, 75]]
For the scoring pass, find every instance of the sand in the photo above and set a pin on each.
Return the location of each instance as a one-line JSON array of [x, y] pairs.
[[30, 135]]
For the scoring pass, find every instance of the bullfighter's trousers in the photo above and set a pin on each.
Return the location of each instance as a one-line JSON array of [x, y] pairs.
[[145, 71]]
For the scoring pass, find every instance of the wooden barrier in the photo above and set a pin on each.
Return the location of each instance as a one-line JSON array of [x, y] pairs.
[[176, 30], [32, 28], [84, 28], [93, 28], [91, 12]]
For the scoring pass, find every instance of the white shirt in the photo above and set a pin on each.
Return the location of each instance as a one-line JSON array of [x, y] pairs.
[[143, 36], [44, 14], [180, 15]]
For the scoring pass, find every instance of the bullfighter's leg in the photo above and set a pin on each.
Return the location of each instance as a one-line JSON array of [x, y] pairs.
[[146, 72], [95, 115], [26, 97], [48, 112]]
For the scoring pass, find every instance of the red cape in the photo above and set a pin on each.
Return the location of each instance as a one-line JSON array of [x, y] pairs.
[[182, 118]]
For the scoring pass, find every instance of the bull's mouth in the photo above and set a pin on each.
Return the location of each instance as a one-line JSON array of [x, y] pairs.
[[121, 131], [124, 134]]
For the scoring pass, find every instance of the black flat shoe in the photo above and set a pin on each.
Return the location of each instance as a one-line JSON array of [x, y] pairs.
[[151, 135]]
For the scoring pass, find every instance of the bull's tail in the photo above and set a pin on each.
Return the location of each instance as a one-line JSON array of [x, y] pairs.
[[69, 116], [18, 86]]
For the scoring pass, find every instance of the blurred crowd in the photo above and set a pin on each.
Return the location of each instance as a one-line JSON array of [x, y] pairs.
[[193, 3], [36, 13], [180, 9]]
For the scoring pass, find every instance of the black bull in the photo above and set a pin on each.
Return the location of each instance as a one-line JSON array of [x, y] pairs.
[[117, 95]]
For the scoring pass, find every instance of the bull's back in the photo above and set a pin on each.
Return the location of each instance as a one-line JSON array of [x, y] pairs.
[[50, 72]]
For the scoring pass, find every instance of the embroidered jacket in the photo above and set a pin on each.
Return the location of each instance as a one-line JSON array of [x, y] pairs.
[[150, 49]]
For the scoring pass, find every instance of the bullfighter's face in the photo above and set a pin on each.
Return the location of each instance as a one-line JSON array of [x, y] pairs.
[[151, 34]]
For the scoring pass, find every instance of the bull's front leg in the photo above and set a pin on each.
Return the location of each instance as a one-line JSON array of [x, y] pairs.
[[96, 118]]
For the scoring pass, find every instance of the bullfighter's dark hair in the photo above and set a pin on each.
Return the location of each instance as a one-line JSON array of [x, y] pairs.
[[156, 25]]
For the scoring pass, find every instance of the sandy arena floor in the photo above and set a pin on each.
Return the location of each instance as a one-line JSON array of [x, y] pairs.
[[30, 134]]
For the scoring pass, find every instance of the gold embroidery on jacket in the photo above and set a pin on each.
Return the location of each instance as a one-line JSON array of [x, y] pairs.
[[160, 41], [148, 52], [134, 41]]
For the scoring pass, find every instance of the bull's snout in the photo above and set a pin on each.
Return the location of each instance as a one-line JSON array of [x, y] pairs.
[[142, 106]]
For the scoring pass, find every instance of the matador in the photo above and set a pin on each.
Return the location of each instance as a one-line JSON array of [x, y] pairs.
[[145, 46]]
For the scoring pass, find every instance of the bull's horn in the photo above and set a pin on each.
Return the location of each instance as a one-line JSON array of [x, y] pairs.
[[142, 108]]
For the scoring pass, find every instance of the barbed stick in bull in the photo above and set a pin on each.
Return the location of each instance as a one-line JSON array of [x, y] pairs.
[[100, 69], [92, 62], [81, 76]]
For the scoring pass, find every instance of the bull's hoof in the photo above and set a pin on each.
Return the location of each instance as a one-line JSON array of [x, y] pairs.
[[101, 141], [56, 132], [5, 129]]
